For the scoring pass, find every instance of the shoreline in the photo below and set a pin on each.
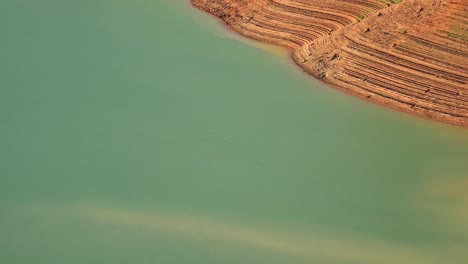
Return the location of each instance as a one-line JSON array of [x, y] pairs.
[[444, 112], [232, 34]]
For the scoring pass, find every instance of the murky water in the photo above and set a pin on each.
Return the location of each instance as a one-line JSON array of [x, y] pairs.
[[143, 132]]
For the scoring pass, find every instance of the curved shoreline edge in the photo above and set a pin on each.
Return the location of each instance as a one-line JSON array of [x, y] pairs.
[[410, 56]]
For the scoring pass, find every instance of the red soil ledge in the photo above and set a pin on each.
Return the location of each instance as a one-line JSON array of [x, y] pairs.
[[411, 56]]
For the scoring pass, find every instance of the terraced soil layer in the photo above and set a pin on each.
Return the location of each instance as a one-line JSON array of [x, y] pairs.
[[411, 55]]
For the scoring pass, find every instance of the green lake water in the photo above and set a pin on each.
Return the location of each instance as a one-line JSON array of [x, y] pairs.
[[144, 132]]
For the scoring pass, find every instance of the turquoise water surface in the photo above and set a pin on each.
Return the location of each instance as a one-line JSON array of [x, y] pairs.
[[144, 132]]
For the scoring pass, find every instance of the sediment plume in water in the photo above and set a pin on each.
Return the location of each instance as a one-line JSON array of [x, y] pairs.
[[408, 55]]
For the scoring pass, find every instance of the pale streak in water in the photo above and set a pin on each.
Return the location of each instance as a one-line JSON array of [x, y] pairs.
[[448, 201], [305, 247]]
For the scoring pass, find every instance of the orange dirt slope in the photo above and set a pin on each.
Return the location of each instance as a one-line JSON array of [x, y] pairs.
[[411, 56]]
